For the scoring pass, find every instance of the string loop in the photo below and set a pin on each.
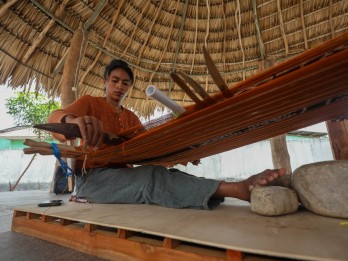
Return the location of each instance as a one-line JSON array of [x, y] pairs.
[[67, 170]]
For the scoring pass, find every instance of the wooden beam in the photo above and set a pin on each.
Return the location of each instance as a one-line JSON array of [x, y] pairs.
[[94, 15], [338, 135], [111, 28], [42, 34]]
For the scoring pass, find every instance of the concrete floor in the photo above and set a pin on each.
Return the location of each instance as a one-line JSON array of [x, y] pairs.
[[15, 246]]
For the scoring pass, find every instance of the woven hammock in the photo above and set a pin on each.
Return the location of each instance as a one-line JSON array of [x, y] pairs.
[[305, 90]]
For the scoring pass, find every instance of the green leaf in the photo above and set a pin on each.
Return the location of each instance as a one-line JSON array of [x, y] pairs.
[[30, 109]]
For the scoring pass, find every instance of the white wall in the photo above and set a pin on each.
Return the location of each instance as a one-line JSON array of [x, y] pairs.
[[308, 151], [14, 162], [251, 159]]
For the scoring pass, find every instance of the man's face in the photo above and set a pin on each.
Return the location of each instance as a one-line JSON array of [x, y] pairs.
[[117, 84]]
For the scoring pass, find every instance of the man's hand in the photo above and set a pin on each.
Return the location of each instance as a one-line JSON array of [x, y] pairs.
[[90, 127]]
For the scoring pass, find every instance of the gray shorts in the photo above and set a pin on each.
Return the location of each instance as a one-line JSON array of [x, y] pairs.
[[147, 185]]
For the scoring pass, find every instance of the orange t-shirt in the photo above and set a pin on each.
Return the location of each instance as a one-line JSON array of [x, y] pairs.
[[97, 107]]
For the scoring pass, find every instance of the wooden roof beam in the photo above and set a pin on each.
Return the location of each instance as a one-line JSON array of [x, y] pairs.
[[89, 22], [43, 9], [42, 34], [94, 15]]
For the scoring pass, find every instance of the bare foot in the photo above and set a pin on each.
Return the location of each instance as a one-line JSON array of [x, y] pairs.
[[263, 178], [242, 189]]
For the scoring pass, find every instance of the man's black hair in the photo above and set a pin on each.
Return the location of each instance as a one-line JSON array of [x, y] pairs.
[[114, 64]]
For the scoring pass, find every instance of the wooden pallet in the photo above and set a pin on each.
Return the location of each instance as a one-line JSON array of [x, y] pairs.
[[143, 232]]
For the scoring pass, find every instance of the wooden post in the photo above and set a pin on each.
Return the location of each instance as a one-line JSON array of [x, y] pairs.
[[338, 135], [68, 87], [279, 149], [280, 154]]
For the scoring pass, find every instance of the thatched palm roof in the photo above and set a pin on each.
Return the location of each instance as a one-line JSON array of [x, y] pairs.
[[157, 37]]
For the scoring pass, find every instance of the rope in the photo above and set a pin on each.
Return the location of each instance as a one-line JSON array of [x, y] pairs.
[[67, 170]]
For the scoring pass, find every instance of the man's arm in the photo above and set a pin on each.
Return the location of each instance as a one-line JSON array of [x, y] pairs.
[[78, 113]]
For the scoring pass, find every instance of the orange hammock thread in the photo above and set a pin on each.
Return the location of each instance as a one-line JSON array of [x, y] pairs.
[[305, 90]]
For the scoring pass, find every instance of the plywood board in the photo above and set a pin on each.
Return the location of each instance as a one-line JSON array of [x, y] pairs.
[[302, 235]]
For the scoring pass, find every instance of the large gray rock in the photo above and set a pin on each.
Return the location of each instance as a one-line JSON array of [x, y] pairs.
[[273, 201], [322, 187]]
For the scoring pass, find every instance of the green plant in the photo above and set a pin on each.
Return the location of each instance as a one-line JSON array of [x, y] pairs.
[[28, 109]]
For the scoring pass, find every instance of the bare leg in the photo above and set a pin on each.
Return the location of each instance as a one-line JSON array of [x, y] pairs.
[[242, 189]]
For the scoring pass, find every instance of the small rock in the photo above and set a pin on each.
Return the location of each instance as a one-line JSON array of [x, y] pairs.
[[273, 201], [322, 187]]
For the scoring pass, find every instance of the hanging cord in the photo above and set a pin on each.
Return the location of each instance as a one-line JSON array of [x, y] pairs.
[[67, 170]]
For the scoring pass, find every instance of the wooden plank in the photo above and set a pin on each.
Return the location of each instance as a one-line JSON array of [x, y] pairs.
[[170, 243], [65, 222], [123, 233], [234, 255], [45, 218], [227, 227], [91, 227]]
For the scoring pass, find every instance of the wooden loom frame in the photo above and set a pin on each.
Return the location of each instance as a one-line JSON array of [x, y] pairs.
[[305, 90]]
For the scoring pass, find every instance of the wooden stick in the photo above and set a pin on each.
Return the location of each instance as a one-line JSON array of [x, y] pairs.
[[185, 88], [41, 151], [41, 144], [198, 88], [214, 71]]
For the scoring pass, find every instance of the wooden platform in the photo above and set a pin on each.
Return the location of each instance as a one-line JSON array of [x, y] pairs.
[[143, 232]]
